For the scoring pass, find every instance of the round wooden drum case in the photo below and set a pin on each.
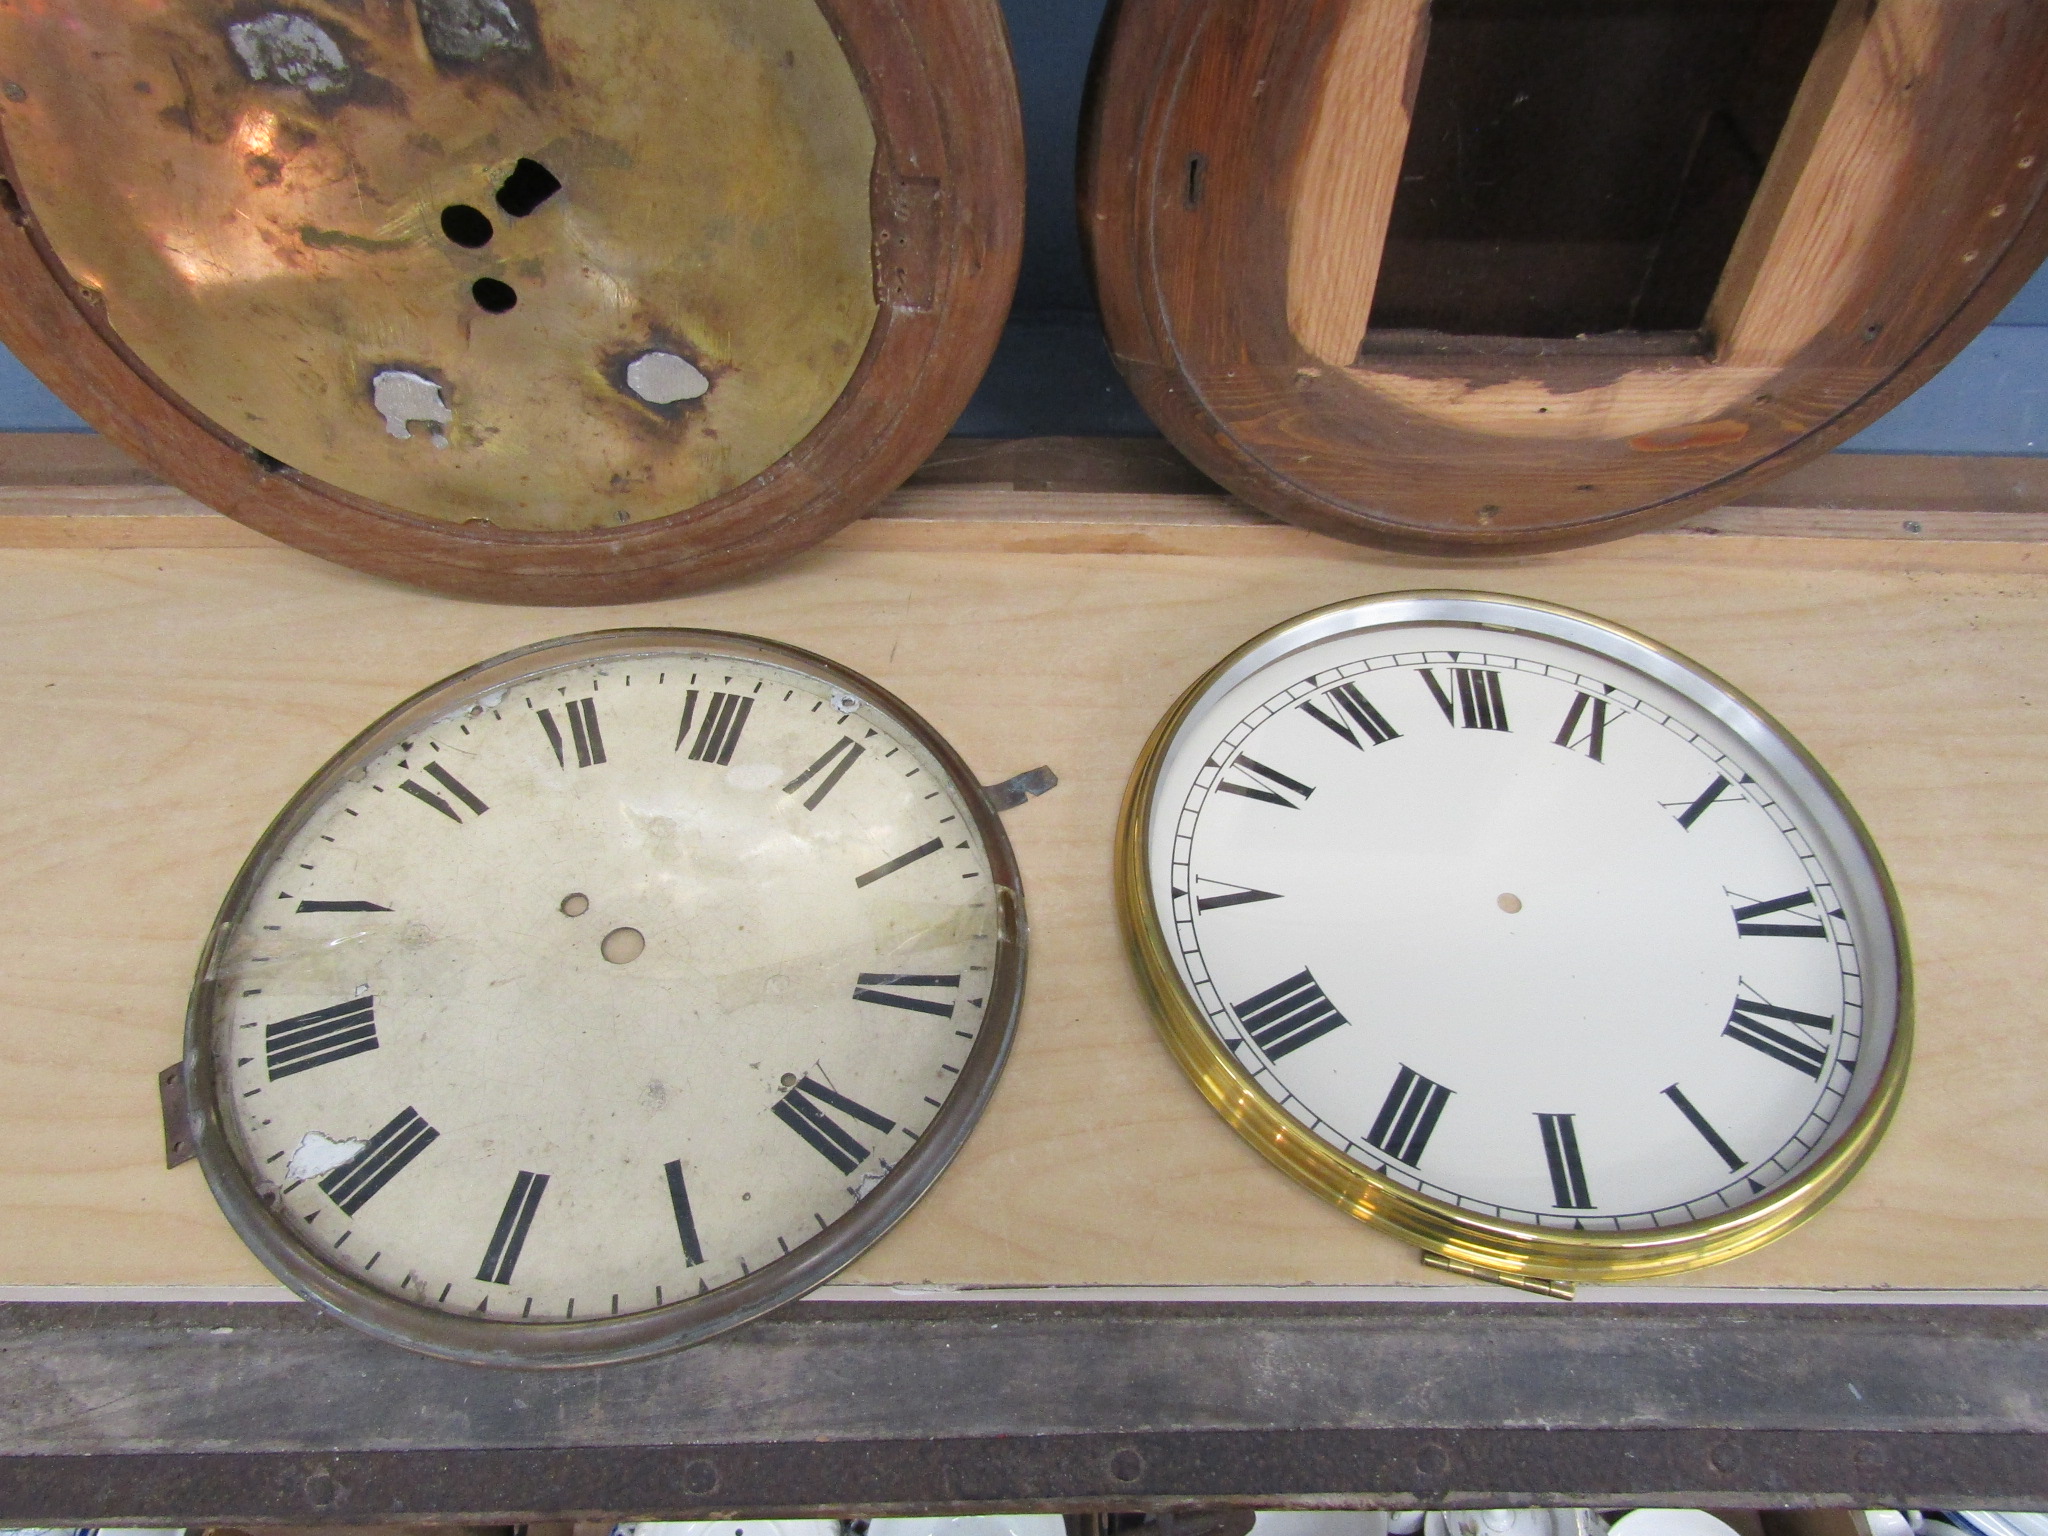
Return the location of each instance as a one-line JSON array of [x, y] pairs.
[[604, 996], [1471, 275], [1517, 935], [519, 299]]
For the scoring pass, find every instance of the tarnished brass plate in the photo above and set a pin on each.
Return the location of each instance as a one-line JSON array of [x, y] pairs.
[[543, 266]]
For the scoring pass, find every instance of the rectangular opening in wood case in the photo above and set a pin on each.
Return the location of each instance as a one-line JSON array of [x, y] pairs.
[[1581, 168]]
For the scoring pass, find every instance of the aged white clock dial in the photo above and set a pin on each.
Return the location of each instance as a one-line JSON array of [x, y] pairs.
[[1518, 934], [604, 995]]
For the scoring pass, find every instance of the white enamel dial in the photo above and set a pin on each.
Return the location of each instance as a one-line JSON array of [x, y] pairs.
[[610, 986], [1517, 925]]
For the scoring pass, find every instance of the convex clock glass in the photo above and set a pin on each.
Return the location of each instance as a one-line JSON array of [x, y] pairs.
[[605, 995], [1516, 934]]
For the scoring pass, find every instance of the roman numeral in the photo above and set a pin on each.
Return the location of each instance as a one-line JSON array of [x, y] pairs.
[[1727, 1153], [1749, 928], [341, 906], [1286, 1017], [1234, 896], [1355, 711], [1479, 706], [1567, 1173], [1594, 712], [1408, 1116], [502, 1257], [686, 1225], [1282, 787], [798, 1109], [453, 785], [1746, 1022], [724, 719], [863, 991], [846, 745], [314, 1039], [355, 1182], [582, 727], [1698, 808], [882, 871]]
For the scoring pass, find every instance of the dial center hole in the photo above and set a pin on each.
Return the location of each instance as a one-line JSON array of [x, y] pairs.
[[466, 226], [1508, 902], [622, 946], [529, 185]]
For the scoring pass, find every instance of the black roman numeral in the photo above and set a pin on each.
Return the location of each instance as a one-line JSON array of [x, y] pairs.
[[502, 1257], [1355, 710], [798, 1109], [314, 1039], [1279, 789], [1479, 706], [1233, 896], [724, 719], [341, 906], [1708, 796], [686, 1224], [1594, 712], [453, 785], [883, 871], [1727, 1153], [1746, 1022], [1286, 1017], [355, 1182], [582, 727], [1408, 1116], [851, 750], [1747, 925], [864, 992], [1567, 1172]]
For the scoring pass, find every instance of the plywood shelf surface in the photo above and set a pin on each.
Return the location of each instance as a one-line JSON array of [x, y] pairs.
[[163, 702]]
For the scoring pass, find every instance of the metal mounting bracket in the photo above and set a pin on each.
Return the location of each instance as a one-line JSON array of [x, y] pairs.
[[1019, 787]]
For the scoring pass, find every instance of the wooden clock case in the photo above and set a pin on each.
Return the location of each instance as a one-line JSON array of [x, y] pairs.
[[1465, 276]]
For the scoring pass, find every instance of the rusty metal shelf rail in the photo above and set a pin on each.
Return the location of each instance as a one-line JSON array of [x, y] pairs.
[[249, 1412]]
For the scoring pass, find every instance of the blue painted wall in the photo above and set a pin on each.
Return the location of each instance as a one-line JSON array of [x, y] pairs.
[[1052, 374]]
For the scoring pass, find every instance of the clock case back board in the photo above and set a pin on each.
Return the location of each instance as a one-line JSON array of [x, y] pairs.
[[375, 283], [601, 1340], [1473, 1244], [1462, 277]]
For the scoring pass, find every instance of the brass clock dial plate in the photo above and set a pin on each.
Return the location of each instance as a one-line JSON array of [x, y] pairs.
[[437, 288]]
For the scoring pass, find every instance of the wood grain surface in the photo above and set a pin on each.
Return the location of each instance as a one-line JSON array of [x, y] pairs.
[[73, 491], [946, 203], [1350, 171], [162, 704], [1903, 207]]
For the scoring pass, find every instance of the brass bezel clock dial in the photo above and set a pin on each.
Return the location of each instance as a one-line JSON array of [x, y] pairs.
[[1517, 935], [604, 996]]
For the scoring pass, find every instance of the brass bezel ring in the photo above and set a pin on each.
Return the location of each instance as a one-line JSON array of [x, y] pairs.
[[1504, 1247]]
